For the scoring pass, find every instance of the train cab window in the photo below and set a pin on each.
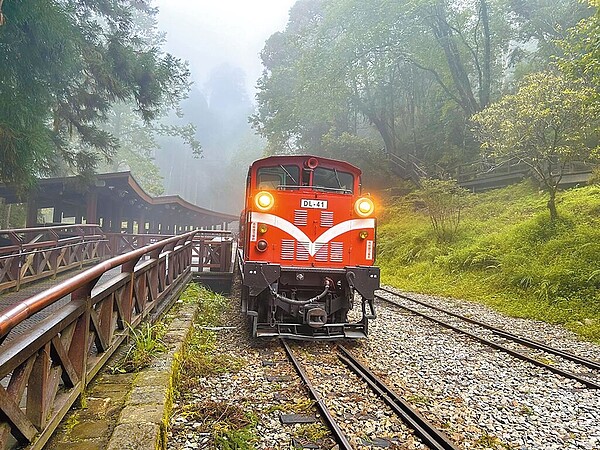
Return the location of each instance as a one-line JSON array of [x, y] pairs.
[[278, 177], [333, 180]]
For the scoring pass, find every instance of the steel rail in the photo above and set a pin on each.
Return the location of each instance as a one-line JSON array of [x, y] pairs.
[[516, 354], [506, 334], [430, 435], [340, 437]]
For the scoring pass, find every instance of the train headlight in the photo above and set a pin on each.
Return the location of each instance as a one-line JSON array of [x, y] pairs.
[[364, 207], [264, 200]]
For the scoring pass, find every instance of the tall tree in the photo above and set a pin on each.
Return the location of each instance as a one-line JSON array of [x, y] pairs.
[[138, 138], [64, 64], [413, 71]]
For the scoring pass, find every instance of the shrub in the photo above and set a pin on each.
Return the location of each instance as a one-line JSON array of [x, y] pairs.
[[444, 201]]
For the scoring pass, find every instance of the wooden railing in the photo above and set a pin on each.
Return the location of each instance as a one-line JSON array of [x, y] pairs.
[[486, 169], [120, 243], [30, 254], [211, 249], [488, 172], [43, 371]]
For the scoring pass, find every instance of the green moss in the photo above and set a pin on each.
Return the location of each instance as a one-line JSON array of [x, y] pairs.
[[313, 432], [507, 254]]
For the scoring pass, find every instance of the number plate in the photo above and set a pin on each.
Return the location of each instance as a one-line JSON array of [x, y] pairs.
[[318, 204]]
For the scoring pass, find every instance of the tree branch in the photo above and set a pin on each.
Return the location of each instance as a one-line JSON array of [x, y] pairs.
[[437, 78], [2, 19]]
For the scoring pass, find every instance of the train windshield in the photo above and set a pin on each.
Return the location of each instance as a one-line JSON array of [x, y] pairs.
[[278, 177], [332, 180], [320, 178]]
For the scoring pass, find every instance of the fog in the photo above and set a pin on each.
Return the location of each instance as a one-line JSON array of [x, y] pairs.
[[222, 41], [209, 33]]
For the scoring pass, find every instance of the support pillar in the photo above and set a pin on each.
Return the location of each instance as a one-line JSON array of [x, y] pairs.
[[31, 220], [91, 203]]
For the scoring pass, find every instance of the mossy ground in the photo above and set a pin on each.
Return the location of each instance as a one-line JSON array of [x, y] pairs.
[[506, 254], [231, 426]]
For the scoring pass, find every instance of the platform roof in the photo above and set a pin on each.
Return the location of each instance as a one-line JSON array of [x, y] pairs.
[[118, 188]]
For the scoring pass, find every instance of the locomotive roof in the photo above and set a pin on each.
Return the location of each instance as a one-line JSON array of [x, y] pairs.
[[283, 159]]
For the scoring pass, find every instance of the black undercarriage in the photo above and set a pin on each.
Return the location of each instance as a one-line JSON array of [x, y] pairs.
[[309, 303]]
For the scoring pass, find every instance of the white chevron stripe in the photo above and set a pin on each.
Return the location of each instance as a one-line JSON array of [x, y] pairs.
[[298, 234]]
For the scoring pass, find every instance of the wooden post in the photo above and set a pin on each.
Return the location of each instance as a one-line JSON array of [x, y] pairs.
[[31, 220], [91, 203]]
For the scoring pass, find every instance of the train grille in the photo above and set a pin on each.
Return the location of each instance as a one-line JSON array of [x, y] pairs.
[[322, 250], [287, 249], [332, 252], [337, 252], [300, 217], [327, 219], [302, 251]]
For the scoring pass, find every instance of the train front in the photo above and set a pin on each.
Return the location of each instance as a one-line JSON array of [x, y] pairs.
[[308, 241]]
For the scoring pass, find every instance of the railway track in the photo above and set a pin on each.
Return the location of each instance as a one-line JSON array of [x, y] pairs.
[[428, 434], [568, 365]]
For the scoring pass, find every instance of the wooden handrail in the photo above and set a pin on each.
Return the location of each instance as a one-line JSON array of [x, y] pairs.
[[76, 339], [13, 316]]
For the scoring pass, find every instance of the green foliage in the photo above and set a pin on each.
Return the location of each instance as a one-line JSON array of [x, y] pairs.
[[444, 201], [581, 59], [138, 143], [12, 215], [403, 76], [146, 344], [508, 255], [64, 65], [595, 177], [547, 124], [359, 151], [313, 432], [241, 439]]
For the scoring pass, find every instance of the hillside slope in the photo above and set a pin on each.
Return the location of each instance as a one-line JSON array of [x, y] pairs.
[[506, 254]]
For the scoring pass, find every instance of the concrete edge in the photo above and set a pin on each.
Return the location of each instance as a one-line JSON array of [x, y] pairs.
[[143, 422]]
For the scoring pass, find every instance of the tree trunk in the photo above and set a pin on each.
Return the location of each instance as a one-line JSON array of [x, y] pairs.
[[552, 205], [460, 77], [485, 89], [388, 139]]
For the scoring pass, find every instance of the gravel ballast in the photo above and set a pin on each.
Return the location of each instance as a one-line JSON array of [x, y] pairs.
[[480, 397]]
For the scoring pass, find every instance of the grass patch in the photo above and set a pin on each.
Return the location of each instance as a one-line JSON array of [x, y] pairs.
[[297, 406], [490, 441], [419, 400], [506, 254], [230, 426], [201, 356], [146, 344]]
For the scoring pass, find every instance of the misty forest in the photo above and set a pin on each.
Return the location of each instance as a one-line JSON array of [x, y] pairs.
[[419, 87]]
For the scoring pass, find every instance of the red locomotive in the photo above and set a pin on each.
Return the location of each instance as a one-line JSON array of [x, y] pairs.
[[307, 240]]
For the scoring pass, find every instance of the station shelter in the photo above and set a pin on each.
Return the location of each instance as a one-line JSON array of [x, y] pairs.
[[116, 202]]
